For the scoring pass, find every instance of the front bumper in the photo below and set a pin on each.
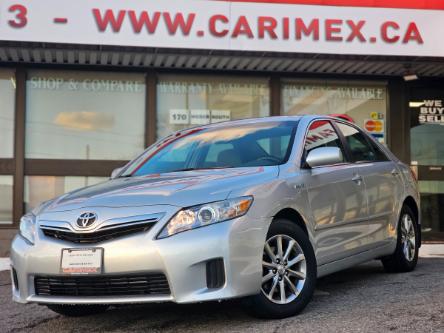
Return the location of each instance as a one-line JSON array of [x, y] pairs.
[[182, 258]]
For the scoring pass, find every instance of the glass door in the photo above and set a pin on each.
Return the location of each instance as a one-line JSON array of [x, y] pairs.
[[427, 156]]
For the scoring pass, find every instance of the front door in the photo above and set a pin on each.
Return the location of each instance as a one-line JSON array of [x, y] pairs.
[[427, 156], [382, 181], [336, 195]]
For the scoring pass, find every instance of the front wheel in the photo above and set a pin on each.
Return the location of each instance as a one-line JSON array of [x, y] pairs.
[[77, 310], [288, 272], [405, 257]]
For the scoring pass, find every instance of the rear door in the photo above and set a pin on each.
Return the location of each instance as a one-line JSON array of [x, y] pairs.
[[382, 180], [337, 199]]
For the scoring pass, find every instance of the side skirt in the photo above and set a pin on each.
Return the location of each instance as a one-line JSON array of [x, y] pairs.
[[356, 259]]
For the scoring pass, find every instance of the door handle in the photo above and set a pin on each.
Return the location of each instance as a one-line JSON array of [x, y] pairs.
[[395, 173], [357, 179]]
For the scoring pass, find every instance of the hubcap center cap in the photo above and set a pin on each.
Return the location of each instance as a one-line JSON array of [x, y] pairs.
[[281, 269]]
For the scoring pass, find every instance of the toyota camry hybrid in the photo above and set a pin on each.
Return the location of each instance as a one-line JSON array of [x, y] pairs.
[[256, 208]]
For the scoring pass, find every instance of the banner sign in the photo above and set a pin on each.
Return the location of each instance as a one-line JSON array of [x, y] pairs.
[[431, 111], [225, 25], [412, 4]]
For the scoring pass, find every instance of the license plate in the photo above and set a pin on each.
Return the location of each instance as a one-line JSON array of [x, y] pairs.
[[82, 261]]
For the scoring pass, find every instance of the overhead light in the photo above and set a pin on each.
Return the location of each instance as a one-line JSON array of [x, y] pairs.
[[409, 74], [410, 77]]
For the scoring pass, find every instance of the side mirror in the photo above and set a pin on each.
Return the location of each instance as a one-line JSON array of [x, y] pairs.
[[324, 156], [115, 173]]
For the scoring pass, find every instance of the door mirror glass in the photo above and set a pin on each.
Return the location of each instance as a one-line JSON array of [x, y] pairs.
[[115, 173], [324, 156]]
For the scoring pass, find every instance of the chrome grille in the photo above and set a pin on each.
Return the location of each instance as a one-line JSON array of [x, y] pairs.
[[104, 233]]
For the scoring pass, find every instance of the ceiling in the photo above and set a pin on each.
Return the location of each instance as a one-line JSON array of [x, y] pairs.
[[69, 54]]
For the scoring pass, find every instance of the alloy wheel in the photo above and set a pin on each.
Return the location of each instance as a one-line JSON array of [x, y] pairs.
[[283, 269], [408, 239]]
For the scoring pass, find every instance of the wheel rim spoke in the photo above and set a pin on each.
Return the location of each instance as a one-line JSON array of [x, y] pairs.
[[282, 291], [292, 286], [289, 248], [270, 252], [273, 287], [406, 250], [297, 259], [279, 247], [268, 277], [269, 264], [406, 224], [299, 275]]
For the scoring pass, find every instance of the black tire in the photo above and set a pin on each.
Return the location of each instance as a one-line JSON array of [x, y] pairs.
[[77, 310], [260, 305], [398, 261]]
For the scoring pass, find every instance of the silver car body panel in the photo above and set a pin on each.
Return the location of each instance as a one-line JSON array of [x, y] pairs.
[[347, 222]]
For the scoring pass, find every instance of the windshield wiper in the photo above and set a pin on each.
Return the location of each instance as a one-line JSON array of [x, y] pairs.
[[185, 169], [208, 168], [125, 176]]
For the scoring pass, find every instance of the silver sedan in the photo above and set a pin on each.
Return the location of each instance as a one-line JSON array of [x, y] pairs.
[[256, 208]]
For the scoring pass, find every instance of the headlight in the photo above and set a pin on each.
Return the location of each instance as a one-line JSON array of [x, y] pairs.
[[27, 227], [206, 214]]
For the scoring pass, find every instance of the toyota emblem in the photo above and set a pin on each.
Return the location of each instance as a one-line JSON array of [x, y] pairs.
[[86, 219]]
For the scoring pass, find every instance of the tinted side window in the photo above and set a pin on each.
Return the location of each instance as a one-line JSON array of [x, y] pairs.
[[360, 149], [380, 155], [322, 134]]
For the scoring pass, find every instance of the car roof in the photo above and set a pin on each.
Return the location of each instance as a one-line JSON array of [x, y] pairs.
[[260, 120], [239, 122], [265, 120]]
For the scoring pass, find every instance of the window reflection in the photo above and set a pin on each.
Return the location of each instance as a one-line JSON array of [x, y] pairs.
[[84, 115], [188, 101], [6, 199], [360, 103], [7, 102], [43, 188]]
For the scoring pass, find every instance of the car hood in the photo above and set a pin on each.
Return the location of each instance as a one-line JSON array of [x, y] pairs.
[[181, 189]]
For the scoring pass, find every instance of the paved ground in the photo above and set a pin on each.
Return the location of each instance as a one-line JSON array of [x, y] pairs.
[[362, 299], [4, 264]]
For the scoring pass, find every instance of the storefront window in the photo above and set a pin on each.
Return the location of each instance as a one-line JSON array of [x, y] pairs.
[[187, 101], [432, 203], [361, 103], [84, 115], [6, 199], [7, 102], [42, 188]]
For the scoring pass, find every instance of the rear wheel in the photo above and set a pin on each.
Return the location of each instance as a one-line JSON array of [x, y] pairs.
[[405, 257], [77, 310], [288, 272]]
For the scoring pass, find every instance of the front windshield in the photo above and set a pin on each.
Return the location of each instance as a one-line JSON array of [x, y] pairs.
[[248, 145]]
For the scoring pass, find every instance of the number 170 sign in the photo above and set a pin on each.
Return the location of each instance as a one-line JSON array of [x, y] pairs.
[[198, 117]]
